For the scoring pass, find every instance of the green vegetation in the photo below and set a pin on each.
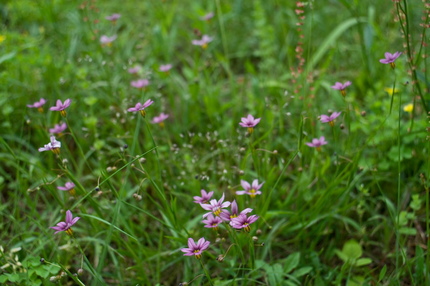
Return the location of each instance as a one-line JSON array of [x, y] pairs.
[[354, 211]]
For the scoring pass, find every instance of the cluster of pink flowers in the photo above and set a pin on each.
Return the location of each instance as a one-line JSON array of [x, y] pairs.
[[53, 145], [219, 213], [318, 142]]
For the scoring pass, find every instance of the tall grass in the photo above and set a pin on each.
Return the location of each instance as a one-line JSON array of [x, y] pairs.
[[352, 212]]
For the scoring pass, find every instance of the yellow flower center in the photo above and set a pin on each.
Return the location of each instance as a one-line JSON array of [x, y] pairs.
[[217, 212], [72, 192], [69, 231]]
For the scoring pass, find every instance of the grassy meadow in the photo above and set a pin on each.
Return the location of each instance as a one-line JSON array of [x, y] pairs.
[[308, 139]]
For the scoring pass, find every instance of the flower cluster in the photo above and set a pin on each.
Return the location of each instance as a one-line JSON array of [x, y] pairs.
[[218, 213]]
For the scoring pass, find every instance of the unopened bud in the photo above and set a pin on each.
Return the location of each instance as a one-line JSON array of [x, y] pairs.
[[220, 258], [363, 113], [80, 271]]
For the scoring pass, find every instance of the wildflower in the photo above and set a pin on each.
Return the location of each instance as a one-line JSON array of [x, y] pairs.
[[249, 122], [70, 187], [196, 249], [227, 216], [66, 226], [408, 108], [134, 70], [2, 38], [159, 119], [58, 128], [207, 17], [203, 42], [215, 206], [204, 198], [391, 91], [251, 190], [61, 106], [38, 105], [390, 59], [113, 17], [317, 143], [330, 119], [53, 146], [341, 86], [107, 41], [140, 83], [165, 68], [242, 221], [141, 107], [212, 221]]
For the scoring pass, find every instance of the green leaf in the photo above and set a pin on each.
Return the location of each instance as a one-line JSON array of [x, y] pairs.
[[274, 273], [291, 262], [14, 277], [408, 231], [382, 273], [3, 278], [302, 271], [352, 249], [363, 261], [42, 272]]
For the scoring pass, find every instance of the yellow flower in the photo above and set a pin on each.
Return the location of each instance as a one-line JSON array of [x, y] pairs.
[[2, 38], [391, 90], [408, 108]]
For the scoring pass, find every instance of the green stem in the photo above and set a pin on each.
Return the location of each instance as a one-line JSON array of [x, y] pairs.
[[206, 272], [398, 184]]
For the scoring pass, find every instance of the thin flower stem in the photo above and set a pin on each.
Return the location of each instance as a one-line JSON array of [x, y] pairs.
[[208, 276], [398, 182], [75, 278], [91, 268], [251, 251], [78, 144]]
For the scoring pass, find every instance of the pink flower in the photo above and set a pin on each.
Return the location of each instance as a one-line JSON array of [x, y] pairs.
[[140, 83], [113, 17], [251, 190], [107, 41], [212, 222], [207, 17], [196, 249], [317, 143], [66, 226], [242, 221], [70, 187], [38, 104], [329, 119], [53, 146], [203, 42], [159, 119], [165, 68], [249, 122], [204, 198], [341, 87], [58, 128], [141, 107], [227, 216], [134, 70], [215, 206], [60, 106], [390, 58]]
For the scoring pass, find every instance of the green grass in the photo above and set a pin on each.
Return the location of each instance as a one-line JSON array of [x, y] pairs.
[[354, 213]]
